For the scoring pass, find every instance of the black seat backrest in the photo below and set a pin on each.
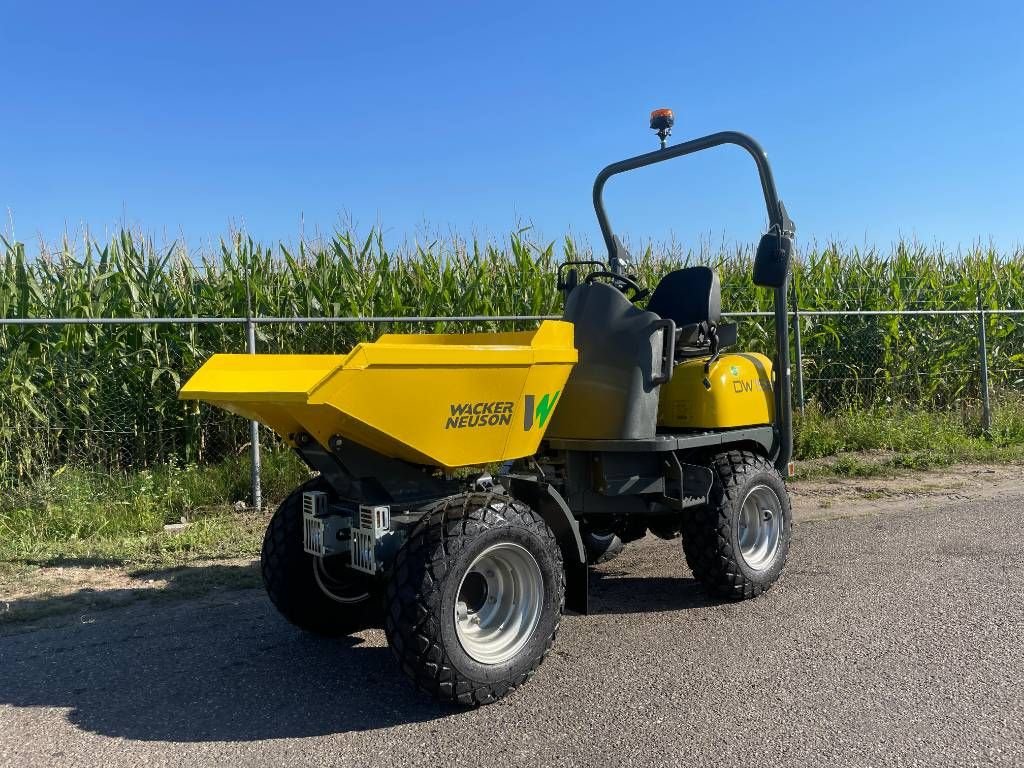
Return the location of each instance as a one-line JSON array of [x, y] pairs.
[[688, 296]]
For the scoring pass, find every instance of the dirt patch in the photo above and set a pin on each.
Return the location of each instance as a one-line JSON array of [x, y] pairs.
[[31, 595], [830, 498]]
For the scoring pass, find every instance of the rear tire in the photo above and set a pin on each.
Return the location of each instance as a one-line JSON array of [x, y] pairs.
[[475, 598], [314, 594], [736, 544]]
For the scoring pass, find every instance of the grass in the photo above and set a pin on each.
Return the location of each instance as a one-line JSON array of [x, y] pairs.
[[76, 516], [871, 442], [886, 464]]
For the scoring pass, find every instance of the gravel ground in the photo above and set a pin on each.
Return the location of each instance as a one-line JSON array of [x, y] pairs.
[[892, 639]]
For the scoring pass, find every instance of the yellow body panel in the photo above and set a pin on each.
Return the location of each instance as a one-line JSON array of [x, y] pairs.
[[740, 394], [449, 400]]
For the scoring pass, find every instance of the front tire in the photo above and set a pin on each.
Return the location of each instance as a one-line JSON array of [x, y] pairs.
[[736, 544], [475, 598], [321, 595]]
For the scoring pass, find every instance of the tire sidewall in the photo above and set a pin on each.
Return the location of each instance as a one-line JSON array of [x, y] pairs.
[[526, 658], [744, 484]]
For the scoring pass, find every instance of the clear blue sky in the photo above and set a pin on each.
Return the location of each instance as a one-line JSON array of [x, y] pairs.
[[879, 118]]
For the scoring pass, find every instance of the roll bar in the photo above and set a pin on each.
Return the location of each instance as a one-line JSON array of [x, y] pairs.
[[779, 225]]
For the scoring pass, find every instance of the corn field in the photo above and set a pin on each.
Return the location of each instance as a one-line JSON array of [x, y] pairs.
[[104, 395]]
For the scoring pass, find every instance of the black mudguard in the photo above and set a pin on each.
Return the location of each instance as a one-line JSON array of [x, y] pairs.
[[556, 513]]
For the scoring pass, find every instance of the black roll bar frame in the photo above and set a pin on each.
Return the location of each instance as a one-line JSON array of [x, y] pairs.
[[778, 222]]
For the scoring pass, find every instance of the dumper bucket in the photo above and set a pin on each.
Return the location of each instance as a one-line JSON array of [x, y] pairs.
[[449, 400]]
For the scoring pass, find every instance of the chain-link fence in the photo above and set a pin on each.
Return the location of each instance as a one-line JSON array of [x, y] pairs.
[[101, 395]]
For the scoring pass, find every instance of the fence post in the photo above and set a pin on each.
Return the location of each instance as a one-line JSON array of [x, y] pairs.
[[254, 427], [799, 350], [986, 407]]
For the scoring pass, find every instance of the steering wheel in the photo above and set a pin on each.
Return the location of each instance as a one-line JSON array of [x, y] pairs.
[[622, 282]]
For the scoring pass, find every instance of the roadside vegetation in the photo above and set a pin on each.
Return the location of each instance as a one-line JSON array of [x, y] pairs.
[[81, 515], [866, 443]]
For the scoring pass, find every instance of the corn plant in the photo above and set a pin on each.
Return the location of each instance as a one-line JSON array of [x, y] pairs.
[[103, 396]]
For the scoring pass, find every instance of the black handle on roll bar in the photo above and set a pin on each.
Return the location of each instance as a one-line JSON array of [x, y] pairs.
[[778, 220]]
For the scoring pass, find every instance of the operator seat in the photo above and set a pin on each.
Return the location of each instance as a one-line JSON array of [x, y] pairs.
[[692, 298]]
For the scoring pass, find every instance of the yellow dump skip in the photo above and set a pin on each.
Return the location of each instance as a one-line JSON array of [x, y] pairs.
[[444, 399]]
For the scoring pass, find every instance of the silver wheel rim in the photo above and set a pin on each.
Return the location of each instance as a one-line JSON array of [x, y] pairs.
[[332, 587], [498, 603], [760, 527]]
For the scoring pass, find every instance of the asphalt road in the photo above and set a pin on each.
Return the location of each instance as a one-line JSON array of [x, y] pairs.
[[896, 639]]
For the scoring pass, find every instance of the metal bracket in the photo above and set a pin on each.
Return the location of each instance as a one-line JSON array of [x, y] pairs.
[[372, 524], [323, 532]]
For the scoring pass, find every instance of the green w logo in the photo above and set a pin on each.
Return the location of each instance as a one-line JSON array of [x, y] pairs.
[[542, 410]]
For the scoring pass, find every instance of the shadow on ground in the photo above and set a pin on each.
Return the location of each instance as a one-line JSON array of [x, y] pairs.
[[616, 592], [223, 667], [226, 667]]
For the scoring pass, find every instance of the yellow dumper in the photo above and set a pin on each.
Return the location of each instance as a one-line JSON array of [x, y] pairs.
[[445, 400], [464, 482]]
